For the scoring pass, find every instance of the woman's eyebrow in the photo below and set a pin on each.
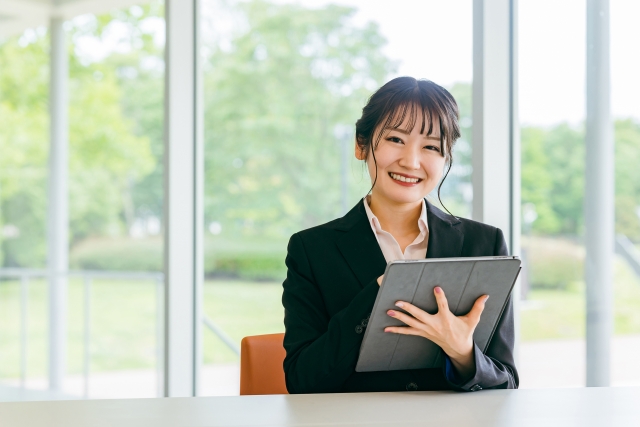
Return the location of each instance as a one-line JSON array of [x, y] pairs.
[[402, 131], [405, 132]]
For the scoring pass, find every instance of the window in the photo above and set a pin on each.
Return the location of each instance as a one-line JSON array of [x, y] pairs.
[[284, 84], [115, 197]]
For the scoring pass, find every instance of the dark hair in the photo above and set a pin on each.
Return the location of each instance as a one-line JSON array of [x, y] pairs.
[[405, 96]]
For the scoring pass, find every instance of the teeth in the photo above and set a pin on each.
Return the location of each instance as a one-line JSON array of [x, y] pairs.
[[403, 179]]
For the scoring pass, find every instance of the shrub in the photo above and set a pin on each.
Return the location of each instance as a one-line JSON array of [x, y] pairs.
[[553, 263], [244, 260]]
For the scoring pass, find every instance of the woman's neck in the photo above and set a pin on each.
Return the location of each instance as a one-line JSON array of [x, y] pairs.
[[398, 219]]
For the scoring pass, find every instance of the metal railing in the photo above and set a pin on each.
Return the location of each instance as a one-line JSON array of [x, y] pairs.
[[25, 276], [626, 249]]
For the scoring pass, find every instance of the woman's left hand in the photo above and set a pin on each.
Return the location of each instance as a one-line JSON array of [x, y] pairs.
[[454, 334]]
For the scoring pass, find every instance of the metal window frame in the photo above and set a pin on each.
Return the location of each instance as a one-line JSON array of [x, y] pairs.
[[599, 196], [496, 131], [183, 207], [58, 203]]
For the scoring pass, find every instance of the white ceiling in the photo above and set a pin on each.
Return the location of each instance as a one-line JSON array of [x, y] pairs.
[[18, 15]]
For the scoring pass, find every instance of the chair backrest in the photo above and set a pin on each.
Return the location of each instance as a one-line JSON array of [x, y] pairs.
[[261, 371]]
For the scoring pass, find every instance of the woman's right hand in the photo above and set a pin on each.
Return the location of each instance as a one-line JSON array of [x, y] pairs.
[[380, 280]]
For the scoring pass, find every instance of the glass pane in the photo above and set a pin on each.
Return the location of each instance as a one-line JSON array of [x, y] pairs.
[[115, 91], [552, 110], [24, 64], [284, 84], [625, 90]]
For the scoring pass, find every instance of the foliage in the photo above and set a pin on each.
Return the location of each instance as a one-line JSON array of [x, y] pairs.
[[553, 177], [553, 170], [106, 156], [275, 96], [117, 254], [552, 262], [281, 86], [253, 259]]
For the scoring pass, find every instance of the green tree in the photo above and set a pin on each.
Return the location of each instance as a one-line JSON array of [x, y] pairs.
[[274, 97], [105, 155], [553, 177], [553, 170]]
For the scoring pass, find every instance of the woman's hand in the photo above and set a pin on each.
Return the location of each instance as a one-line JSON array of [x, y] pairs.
[[454, 334], [380, 280]]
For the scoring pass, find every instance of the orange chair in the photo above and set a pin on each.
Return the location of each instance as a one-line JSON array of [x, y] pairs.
[[261, 371]]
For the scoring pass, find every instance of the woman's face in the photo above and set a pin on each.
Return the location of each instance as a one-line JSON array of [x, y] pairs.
[[409, 163]]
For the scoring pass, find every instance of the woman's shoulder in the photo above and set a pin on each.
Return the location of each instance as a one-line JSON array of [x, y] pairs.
[[331, 230], [471, 226], [479, 238], [465, 225], [327, 231]]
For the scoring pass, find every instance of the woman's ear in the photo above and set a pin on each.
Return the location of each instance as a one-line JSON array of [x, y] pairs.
[[360, 152]]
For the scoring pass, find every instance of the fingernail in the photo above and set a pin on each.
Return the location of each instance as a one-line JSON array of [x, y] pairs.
[[386, 330], [486, 298], [391, 313], [438, 289], [399, 304]]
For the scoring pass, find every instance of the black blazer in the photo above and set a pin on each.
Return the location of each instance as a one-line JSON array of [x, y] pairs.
[[329, 294]]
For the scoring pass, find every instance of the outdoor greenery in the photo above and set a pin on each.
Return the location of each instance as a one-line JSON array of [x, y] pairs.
[[282, 90], [553, 178], [240, 308], [283, 87]]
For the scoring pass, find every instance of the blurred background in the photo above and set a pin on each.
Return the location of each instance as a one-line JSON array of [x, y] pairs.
[[284, 83]]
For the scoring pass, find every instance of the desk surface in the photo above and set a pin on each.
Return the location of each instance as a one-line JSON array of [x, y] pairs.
[[508, 408]]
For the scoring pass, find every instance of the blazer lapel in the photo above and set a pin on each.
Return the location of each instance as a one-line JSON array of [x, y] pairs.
[[445, 238], [359, 246], [361, 250]]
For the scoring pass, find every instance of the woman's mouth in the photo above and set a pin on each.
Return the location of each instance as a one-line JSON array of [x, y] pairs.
[[404, 180]]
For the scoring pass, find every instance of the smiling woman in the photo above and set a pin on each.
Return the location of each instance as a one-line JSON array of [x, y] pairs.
[[406, 136], [417, 123]]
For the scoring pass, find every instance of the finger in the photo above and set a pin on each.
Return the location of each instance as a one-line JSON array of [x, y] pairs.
[[416, 312], [441, 299], [406, 319], [477, 309], [404, 330], [380, 280]]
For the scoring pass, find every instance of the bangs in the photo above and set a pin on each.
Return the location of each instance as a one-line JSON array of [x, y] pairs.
[[407, 108]]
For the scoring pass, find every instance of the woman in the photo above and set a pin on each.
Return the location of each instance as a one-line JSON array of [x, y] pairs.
[[405, 136]]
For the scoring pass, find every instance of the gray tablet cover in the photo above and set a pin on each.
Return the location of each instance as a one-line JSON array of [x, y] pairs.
[[463, 281]]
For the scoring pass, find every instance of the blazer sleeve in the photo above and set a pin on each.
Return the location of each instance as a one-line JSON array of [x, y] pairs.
[[321, 351], [496, 369]]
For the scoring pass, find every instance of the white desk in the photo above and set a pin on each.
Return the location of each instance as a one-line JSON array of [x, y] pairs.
[[509, 408]]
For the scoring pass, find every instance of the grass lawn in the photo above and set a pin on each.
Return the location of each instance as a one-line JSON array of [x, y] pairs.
[[124, 314], [556, 314]]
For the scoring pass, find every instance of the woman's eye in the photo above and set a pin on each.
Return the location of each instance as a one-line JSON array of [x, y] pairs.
[[394, 139], [433, 148]]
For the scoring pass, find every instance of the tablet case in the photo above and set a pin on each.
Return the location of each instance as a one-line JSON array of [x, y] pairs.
[[463, 281]]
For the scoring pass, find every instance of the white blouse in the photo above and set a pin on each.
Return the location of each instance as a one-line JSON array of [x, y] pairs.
[[388, 244]]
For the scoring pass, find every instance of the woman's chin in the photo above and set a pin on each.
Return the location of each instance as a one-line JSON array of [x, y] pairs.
[[404, 197]]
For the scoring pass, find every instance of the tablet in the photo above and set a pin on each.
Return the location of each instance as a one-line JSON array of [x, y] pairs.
[[463, 281]]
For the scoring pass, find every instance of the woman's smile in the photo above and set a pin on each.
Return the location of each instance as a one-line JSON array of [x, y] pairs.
[[405, 180]]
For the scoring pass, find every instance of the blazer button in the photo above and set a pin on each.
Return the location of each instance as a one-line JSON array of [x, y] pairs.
[[412, 387], [358, 329], [365, 322]]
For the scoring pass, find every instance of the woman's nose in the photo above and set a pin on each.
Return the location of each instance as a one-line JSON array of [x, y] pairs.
[[410, 159]]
